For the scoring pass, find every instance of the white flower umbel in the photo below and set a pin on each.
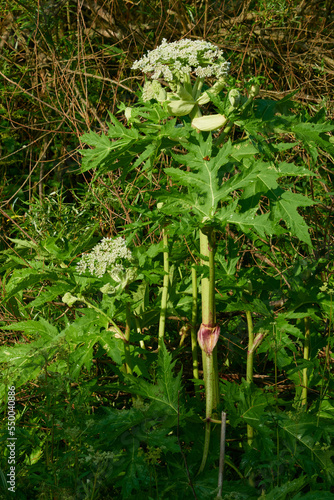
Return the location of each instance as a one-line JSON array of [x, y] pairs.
[[175, 62], [109, 256]]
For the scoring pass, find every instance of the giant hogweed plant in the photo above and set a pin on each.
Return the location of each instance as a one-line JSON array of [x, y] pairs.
[[218, 181], [211, 182]]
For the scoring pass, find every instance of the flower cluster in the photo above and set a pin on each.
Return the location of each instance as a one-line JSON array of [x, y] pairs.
[[153, 90], [175, 61], [97, 457], [107, 257]]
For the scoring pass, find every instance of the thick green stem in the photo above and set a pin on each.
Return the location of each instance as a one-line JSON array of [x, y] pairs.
[[193, 331], [222, 456], [250, 352], [164, 297], [306, 357], [249, 369], [327, 365], [208, 368], [127, 354], [208, 283], [208, 320]]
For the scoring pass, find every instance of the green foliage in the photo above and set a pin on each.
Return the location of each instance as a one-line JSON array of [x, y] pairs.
[[87, 426]]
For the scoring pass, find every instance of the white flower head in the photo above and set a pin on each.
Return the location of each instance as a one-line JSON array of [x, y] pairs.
[[174, 61], [109, 256]]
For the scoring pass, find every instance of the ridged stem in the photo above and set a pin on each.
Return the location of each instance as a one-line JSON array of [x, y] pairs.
[[208, 319], [127, 354], [164, 297], [249, 368], [193, 331], [306, 357]]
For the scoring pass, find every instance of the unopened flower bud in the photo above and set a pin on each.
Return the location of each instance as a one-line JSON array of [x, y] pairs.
[[69, 299], [180, 107], [127, 113], [209, 122], [254, 90], [207, 337], [234, 97]]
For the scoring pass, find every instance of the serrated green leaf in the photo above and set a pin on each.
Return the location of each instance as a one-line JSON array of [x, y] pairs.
[[111, 345], [281, 492], [285, 207], [25, 278], [165, 392], [39, 327], [303, 432], [249, 221], [50, 295]]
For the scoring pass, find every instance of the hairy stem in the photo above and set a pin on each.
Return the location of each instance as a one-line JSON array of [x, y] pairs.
[[222, 456], [163, 308], [306, 357], [128, 364], [193, 332], [208, 320], [249, 369]]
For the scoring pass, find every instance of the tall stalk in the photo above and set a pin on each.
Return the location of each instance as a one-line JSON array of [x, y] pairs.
[[193, 326], [208, 334], [128, 364], [164, 297], [249, 369], [306, 357]]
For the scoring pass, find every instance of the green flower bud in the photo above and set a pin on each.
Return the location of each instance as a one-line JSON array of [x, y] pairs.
[[127, 113], [234, 98], [180, 107], [69, 299], [209, 122], [108, 289], [254, 90]]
